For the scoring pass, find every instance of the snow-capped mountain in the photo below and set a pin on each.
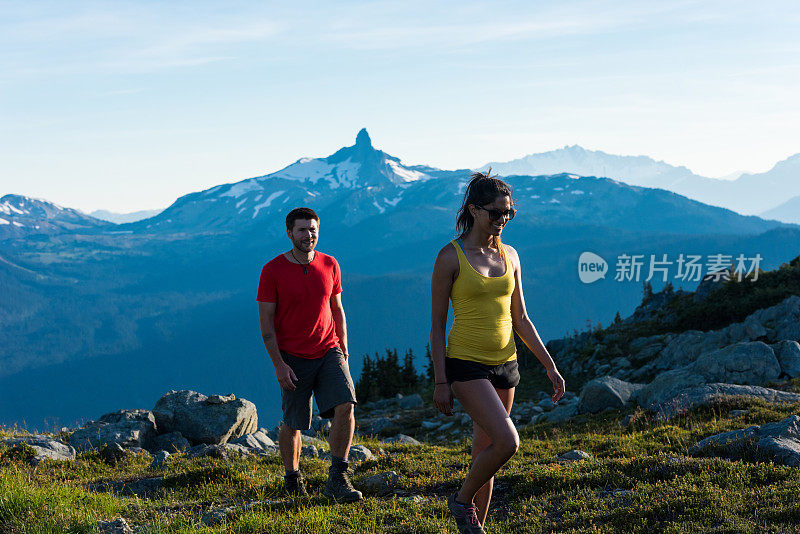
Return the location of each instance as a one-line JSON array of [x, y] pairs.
[[21, 216], [634, 170], [343, 177], [749, 194]]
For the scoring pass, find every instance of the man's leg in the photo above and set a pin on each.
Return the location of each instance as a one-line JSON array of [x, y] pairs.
[[336, 398], [289, 444], [480, 440], [342, 428]]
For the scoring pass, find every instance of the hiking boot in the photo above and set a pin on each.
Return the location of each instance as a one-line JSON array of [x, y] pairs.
[[295, 485], [466, 516], [339, 487]]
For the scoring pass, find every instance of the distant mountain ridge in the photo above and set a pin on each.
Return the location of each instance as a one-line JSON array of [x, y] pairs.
[[122, 218], [21, 216], [749, 194]]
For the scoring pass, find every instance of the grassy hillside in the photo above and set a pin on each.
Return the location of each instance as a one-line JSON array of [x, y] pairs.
[[638, 480]]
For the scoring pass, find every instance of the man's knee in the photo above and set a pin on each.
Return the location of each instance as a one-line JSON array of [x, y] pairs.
[[287, 430], [344, 410]]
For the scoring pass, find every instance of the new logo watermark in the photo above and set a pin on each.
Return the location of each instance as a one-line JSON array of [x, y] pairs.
[[591, 267], [688, 267]]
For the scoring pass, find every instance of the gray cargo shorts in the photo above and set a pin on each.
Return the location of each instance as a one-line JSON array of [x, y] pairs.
[[327, 378]]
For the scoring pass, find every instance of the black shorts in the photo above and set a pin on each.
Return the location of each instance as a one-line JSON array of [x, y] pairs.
[[503, 376], [327, 378]]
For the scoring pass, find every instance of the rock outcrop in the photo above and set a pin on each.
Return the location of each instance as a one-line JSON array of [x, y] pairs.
[[778, 442], [211, 420], [128, 428]]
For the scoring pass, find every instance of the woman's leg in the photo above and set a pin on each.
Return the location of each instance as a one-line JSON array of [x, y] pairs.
[[480, 440], [482, 403]]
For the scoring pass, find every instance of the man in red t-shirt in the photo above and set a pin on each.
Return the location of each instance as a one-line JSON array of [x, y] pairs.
[[305, 333]]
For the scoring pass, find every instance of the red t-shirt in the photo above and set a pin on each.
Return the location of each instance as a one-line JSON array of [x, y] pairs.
[[304, 323]]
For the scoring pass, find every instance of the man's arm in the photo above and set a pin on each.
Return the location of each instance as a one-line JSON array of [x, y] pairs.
[[284, 374], [340, 322]]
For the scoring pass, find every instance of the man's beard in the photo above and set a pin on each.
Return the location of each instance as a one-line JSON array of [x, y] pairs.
[[299, 245]]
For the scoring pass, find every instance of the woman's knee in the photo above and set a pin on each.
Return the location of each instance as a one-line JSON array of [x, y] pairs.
[[508, 444]]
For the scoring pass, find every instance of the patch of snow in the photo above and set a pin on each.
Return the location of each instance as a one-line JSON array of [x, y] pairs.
[[394, 201], [558, 189], [347, 174], [258, 197], [577, 192], [534, 196], [15, 223], [573, 176], [408, 175], [554, 201], [239, 204], [241, 188], [380, 208], [8, 208], [267, 202], [213, 190], [305, 169], [3, 221]]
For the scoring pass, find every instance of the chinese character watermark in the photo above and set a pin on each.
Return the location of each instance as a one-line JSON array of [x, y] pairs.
[[686, 267]]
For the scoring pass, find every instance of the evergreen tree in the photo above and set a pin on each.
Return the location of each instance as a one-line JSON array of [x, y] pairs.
[[409, 374]]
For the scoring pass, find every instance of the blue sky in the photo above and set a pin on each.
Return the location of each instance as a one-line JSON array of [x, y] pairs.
[[128, 105]]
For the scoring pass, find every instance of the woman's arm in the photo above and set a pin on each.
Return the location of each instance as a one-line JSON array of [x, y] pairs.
[[445, 269], [527, 332]]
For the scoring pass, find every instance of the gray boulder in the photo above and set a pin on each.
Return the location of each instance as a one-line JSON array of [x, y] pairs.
[[359, 453], [573, 455], [788, 354], [127, 428], [202, 421], [705, 394], [381, 483], [606, 392], [45, 447], [256, 440], [402, 439], [778, 442], [171, 442], [747, 362]]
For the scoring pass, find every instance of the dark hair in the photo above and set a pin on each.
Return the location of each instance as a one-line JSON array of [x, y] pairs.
[[300, 213], [482, 189]]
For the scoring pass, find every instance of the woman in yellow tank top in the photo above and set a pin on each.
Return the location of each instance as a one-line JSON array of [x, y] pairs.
[[478, 363]]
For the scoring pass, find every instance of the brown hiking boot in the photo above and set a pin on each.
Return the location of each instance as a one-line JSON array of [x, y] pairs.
[[339, 487], [295, 485], [466, 516]]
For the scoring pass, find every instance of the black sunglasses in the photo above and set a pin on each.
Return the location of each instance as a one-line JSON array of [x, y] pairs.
[[496, 214]]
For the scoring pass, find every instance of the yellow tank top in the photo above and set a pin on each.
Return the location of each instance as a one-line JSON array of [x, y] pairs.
[[482, 330]]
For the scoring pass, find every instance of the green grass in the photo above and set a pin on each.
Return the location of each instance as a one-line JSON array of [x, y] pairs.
[[639, 480]]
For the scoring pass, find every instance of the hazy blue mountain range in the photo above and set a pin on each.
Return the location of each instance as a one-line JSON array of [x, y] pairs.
[[111, 316], [749, 194], [789, 211], [122, 218]]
